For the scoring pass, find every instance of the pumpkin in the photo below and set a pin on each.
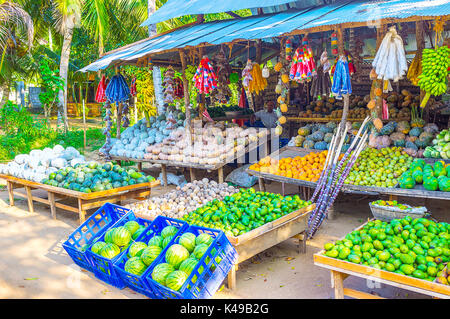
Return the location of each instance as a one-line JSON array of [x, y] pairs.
[[283, 107]]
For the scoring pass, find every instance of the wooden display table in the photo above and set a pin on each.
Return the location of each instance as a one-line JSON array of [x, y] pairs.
[[85, 201], [341, 269], [269, 235]]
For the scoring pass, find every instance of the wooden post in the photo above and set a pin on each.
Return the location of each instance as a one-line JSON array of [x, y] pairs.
[[220, 173], [164, 174], [192, 174], [340, 35], [29, 199], [420, 41], [84, 124], [232, 278], [51, 199], [338, 283], [186, 91], [81, 211], [10, 187]]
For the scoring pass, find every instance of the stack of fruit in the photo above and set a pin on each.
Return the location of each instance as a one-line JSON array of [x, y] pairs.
[[389, 203], [380, 168], [95, 177], [413, 247], [441, 146], [141, 255], [444, 276], [318, 136], [117, 239], [307, 168], [244, 211], [433, 177], [181, 259]]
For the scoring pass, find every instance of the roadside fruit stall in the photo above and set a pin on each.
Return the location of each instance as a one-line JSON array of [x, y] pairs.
[[406, 253]]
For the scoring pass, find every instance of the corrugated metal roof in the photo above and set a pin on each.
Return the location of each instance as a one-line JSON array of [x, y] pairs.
[[267, 26], [177, 8]]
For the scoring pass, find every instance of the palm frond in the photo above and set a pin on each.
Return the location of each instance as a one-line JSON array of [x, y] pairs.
[[12, 16]]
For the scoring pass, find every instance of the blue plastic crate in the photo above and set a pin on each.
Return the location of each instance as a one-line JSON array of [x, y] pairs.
[[102, 267], [136, 282], [93, 227], [199, 285]]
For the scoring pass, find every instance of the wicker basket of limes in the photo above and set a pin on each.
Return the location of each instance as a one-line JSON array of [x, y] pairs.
[[388, 210]]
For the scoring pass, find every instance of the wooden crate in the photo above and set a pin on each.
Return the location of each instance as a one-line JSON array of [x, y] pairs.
[[259, 239], [85, 201], [341, 269]]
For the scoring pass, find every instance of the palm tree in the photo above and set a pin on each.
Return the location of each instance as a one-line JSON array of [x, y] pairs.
[[13, 20], [67, 14]]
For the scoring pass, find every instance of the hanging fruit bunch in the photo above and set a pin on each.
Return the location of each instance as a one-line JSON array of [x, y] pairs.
[[415, 69], [205, 79], [258, 83], [433, 80], [282, 87], [388, 64], [145, 95], [223, 71]]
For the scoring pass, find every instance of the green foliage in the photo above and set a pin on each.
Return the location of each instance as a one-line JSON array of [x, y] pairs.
[[50, 85]]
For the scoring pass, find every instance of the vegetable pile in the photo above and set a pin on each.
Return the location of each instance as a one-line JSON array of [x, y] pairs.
[[441, 146], [181, 259], [381, 168], [318, 136], [413, 247], [244, 211], [37, 165], [95, 177], [184, 199], [433, 177]]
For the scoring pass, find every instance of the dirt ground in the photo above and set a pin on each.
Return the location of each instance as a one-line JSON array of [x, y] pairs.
[[33, 263]]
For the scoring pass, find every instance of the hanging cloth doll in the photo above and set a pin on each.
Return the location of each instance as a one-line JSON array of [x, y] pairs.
[[247, 74], [351, 67], [341, 80], [303, 66], [324, 62], [205, 78]]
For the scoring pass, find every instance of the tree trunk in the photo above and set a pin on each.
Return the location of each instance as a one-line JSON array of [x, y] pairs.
[[157, 82], [63, 73], [5, 93]]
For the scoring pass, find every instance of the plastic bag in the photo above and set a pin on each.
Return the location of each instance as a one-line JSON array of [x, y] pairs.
[[240, 178], [173, 179]]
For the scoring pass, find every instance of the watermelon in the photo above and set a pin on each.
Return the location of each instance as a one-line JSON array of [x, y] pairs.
[[444, 184], [136, 249], [430, 183], [97, 247], [84, 247], [187, 240], [188, 265], [156, 241], [109, 251], [108, 235], [150, 253], [121, 236], [169, 231], [418, 176], [176, 254], [132, 226], [200, 250], [135, 266], [175, 280], [203, 239], [166, 241], [161, 271], [137, 233]]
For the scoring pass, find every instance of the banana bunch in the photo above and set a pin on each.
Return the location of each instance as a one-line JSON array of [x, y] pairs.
[[258, 82], [415, 69], [145, 96], [433, 79]]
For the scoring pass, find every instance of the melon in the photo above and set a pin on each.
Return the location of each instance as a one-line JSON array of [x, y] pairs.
[[135, 266], [176, 254], [169, 231], [166, 241], [200, 250], [188, 265], [97, 247], [203, 239], [444, 184], [161, 271], [136, 249], [430, 183], [108, 235], [121, 236], [156, 241], [109, 251], [137, 233], [150, 253], [132, 226], [175, 280], [187, 240]]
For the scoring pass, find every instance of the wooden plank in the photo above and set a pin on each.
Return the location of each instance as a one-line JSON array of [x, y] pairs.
[[338, 283], [192, 174], [67, 207], [220, 174], [81, 211], [164, 174], [359, 294], [232, 278], [29, 199], [114, 199]]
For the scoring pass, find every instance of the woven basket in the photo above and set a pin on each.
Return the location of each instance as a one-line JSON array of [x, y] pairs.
[[387, 214]]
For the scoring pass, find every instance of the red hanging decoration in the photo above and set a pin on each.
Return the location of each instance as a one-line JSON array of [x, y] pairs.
[[133, 89], [100, 95], [205, 78], [179, 89]]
